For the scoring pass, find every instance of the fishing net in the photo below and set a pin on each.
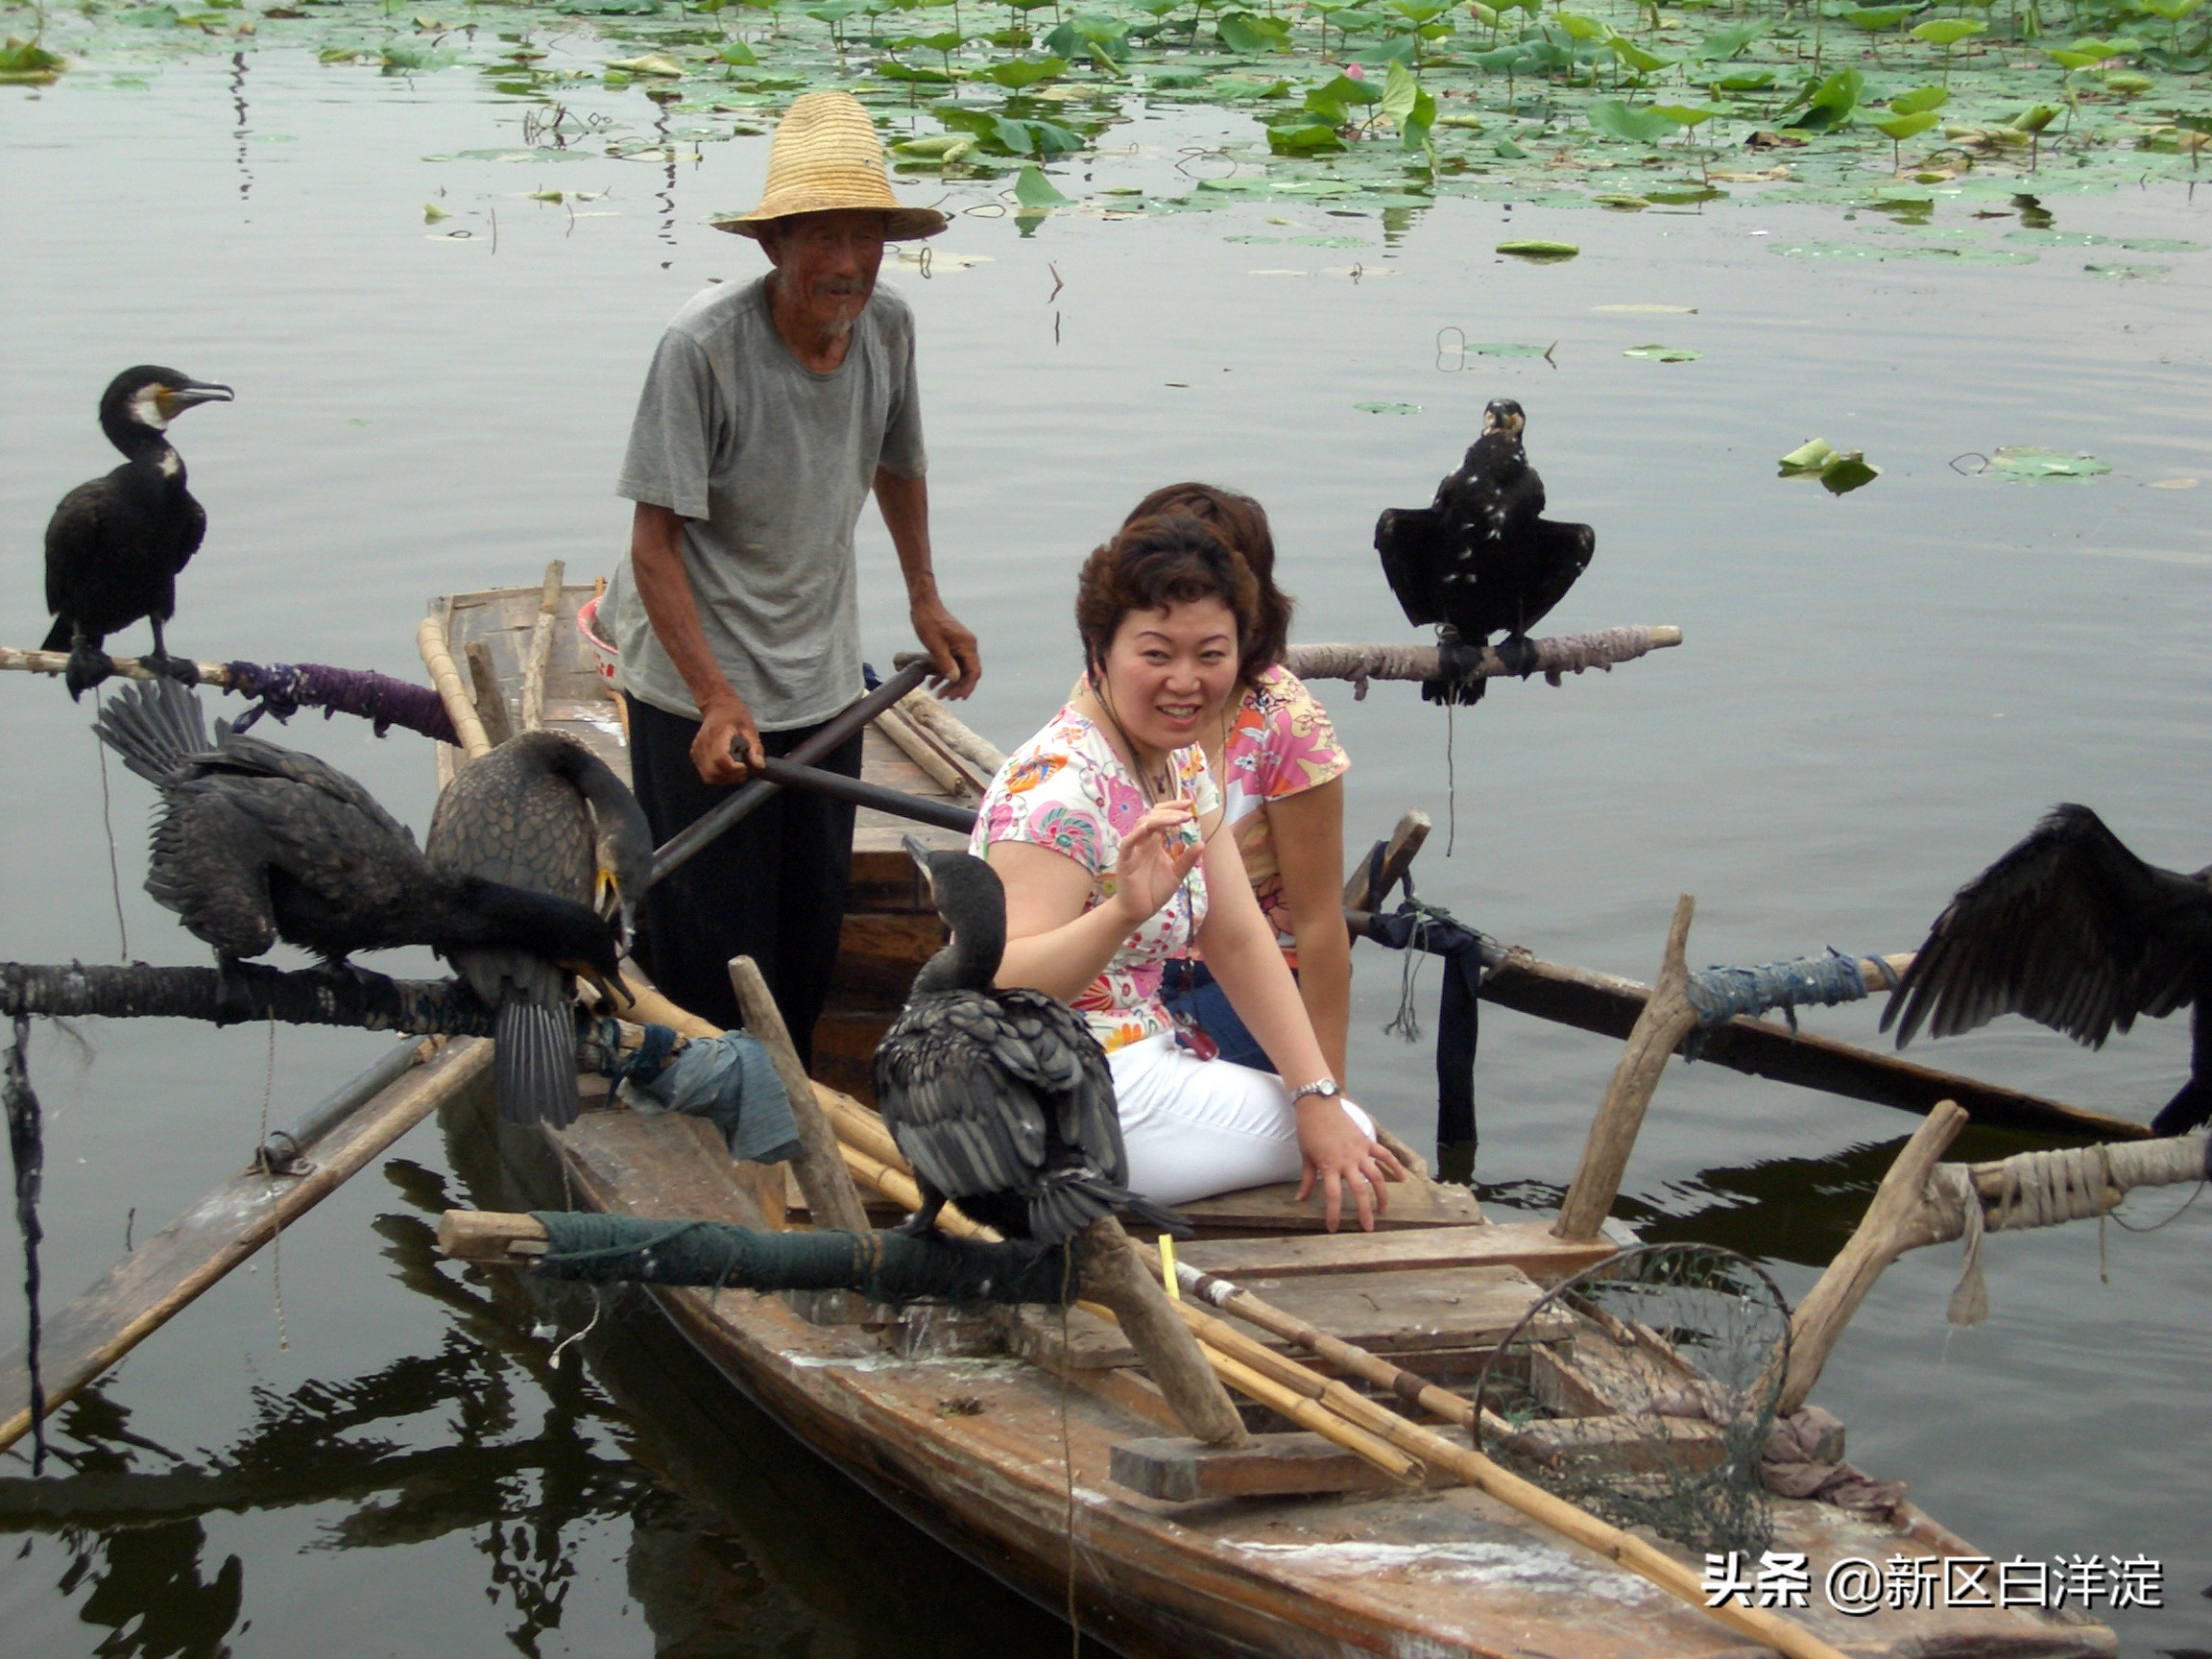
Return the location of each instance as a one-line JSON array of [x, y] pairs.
[[1643, 1389]]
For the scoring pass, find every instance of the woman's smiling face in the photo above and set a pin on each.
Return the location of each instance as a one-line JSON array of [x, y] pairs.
[[1167, 672]]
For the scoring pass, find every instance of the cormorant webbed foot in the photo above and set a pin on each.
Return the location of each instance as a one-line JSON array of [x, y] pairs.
[[87, 667], [1517, 652], [923, 1223], [235, 1003], [1459, 658], [182, 669]]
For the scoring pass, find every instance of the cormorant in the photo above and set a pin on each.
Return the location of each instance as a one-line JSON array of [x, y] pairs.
[[258, 843], [1482, 557], [541, 812], [2078, 933], [114, 545], [1000, 1098]]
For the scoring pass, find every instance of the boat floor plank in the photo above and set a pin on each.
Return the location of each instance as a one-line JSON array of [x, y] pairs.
[[1528, 1245], [1411, 1310]]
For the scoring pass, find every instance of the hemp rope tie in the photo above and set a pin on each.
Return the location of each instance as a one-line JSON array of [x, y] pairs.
[[2040, 1189]]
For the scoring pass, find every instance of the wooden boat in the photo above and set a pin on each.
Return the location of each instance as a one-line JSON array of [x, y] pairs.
[[1034, 1444]]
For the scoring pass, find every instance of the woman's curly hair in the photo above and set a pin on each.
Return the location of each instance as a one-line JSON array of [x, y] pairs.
[[1153, 563], [1243, 523]]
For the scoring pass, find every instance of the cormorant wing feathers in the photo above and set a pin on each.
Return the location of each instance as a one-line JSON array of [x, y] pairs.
[[2069, 928], [254, 757], [1048, 1044], [948, 1080], [1412, 545], [210, 865]]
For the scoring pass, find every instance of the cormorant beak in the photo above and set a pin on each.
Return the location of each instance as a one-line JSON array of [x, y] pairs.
[[173, 401], [920, 851], [615, 995]]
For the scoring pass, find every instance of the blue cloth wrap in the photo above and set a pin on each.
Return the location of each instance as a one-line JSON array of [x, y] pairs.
[[730, 1081]]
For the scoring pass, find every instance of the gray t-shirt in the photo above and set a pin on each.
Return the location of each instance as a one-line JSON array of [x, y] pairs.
[[770, 463]]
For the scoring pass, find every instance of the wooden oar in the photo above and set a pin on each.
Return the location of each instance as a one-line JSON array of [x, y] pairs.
[[748, 799]]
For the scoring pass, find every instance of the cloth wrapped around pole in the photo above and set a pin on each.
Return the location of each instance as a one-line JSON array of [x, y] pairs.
[[882, 1266], [730, 1080], [1425, 928]]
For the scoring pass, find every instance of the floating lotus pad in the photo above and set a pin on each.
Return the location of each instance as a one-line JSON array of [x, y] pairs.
[[2030, 464]]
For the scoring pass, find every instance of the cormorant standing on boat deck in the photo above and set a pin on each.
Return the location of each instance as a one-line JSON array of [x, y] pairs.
[[114, 545], [2078, 933], [1482, 557], [541, 813], [258, 843], [1000, 1098]]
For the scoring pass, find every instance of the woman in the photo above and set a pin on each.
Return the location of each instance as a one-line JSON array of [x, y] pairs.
[[1280, 772], [1104, 828]]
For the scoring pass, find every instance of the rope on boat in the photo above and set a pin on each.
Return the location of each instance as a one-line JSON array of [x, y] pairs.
[[882, 1266], [284, 688], [1431, 930], [2044, 1188], [27, 1146], [1719, 993]]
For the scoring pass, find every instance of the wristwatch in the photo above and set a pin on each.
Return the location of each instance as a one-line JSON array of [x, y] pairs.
[[1326, 1087]]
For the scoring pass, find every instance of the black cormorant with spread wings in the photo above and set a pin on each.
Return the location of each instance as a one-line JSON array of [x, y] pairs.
[[114, 545], [1000, 1098], [1482, 557], [2078, 933], [544, 814], [257, 843]]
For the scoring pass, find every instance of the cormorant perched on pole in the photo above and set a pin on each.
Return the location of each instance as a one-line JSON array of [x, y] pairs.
[[541, 812], [2078, 933], [114, 545], [258, 843], [1000, 1098], [1482, 557]]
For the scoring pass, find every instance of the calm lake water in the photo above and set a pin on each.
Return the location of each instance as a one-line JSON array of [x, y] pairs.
[[1876, 696]]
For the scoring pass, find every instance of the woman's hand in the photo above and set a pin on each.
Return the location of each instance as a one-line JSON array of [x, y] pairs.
[[1153, 863], [1341, 1154]]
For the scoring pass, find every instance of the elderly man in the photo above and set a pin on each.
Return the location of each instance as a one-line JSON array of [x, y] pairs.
[[771, 411]]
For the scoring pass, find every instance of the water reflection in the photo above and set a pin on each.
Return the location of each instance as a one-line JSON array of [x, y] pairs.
[[737, 1540], [238, 109]]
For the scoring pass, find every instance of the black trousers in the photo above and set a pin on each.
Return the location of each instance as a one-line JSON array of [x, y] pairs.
[[772, 887]]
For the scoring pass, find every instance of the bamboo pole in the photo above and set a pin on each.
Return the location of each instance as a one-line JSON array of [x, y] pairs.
[[830, 1197], [1882, 1235], [1667, 1019], [541, 654], [491, 701], [917, 747], [460, 708], [927, 709]]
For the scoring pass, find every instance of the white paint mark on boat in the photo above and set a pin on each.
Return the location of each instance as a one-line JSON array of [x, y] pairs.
[[1533, 1567]]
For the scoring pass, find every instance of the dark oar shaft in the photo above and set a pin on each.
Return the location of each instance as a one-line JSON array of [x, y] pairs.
[[922, 808], [687, 841]]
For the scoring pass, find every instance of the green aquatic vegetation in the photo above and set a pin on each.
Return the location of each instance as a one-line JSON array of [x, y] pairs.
[[1539, 251], [1656, 353], [27, 63], [1840, 470], [1399, 102], [2031, 464]]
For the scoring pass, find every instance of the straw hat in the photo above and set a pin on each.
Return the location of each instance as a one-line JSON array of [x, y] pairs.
[[826, 157]]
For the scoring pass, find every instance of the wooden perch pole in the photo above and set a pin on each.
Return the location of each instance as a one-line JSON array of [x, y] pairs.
[[830, 1197], [1922, 1202], [1889, 1228], [1112, 1276], [460, 708], [1557, 656], [541, 656], [1667, 1019], [491, 701], [216, 674], [371, 1002]]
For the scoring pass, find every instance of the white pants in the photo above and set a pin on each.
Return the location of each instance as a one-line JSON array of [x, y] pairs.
[[1197, 1127]]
